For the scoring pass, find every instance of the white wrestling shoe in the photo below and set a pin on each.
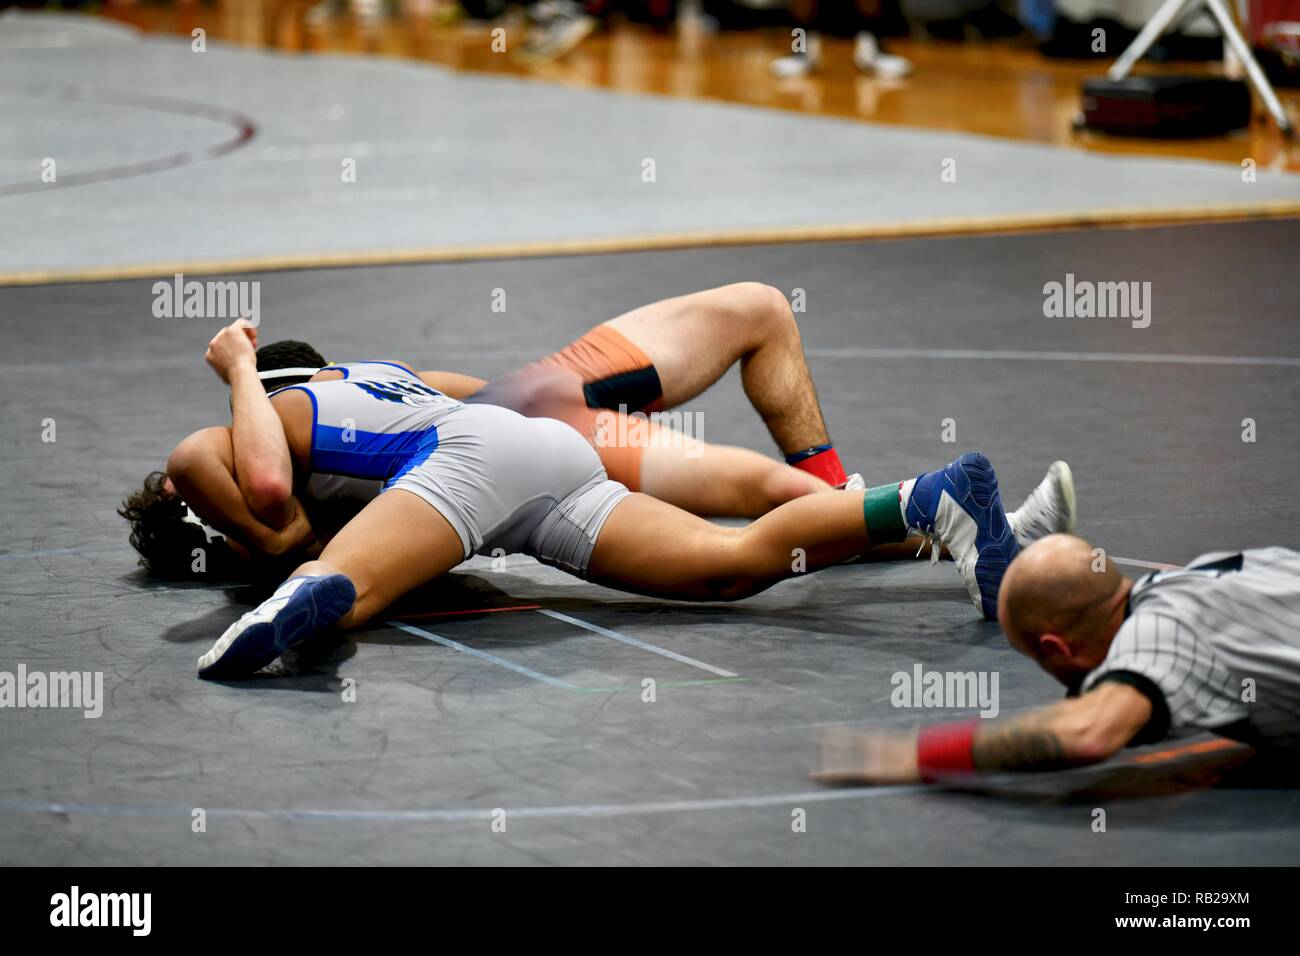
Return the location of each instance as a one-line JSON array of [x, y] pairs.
[[799, 64], [555, 28], [854, 483], [1049, 509], [869, 58]]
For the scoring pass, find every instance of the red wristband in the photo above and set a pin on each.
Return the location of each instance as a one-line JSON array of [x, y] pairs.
[[946, 749]]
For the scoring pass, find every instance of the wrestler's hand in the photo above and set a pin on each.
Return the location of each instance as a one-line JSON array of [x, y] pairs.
[[846, 756], [297, 535], [233, 346]]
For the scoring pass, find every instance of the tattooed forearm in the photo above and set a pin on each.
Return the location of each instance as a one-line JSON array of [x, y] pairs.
[[1030, 742]]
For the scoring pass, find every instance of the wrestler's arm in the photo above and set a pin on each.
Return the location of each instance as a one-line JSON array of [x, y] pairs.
[[202, 469], [1075, 732], [263, 467], [453, 384]]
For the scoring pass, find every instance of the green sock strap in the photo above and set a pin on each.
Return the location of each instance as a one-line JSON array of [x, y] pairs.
[[883, 515]]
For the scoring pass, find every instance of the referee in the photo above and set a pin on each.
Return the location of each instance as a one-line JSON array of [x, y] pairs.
[[1214, 646]]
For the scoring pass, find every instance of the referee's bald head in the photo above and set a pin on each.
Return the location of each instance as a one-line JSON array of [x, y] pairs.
[[1058, 604]]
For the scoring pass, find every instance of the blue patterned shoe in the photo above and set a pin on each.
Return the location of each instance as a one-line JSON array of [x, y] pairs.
[[960, 508], [300, 608]]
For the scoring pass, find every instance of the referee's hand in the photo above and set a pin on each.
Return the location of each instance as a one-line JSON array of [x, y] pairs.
[[846, 756]]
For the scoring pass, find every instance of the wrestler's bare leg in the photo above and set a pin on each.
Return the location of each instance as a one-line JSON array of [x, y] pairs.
[[646, 546], [693, 339], [396, 543], [649, 547], [720, 480], [702, 478]]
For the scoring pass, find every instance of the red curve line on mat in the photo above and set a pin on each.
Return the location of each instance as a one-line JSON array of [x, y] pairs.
[[245, 130]]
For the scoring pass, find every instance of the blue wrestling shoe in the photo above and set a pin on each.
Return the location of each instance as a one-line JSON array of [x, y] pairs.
[[959, 506], [300, 608]]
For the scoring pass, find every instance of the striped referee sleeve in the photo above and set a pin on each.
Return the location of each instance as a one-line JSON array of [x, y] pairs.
[[1166, 655]]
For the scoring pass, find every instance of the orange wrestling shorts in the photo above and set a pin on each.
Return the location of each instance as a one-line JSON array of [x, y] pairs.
[[615, 375]]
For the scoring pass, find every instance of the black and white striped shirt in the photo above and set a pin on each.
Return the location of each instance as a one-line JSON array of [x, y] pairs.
[[1219, 643]]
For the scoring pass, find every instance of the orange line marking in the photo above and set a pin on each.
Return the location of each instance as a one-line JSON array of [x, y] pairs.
[[1203, 747]]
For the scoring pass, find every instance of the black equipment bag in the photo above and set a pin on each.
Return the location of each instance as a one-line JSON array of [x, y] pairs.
[[1166, 106]]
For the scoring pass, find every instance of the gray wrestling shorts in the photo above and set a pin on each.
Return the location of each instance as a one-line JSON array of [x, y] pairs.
[[509, 484]]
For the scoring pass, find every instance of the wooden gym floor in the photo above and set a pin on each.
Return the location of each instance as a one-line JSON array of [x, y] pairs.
[[1003, 89]]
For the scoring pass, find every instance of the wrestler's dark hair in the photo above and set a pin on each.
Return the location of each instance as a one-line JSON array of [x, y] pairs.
[[166, 542], [288, 353]]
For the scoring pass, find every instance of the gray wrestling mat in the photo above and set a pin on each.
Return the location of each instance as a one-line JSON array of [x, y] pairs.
[[399, 746], [166, 160]]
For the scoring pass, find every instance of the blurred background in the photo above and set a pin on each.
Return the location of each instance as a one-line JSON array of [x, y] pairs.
[[147, 137], [1008, 68]]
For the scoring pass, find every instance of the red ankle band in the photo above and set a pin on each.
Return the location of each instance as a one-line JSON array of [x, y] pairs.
[[825, 465]]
